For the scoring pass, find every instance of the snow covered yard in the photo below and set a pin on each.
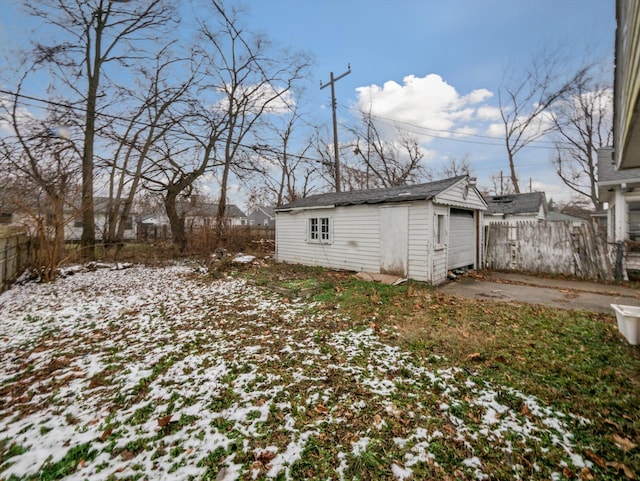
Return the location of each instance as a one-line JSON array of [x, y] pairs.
[[164, 373]]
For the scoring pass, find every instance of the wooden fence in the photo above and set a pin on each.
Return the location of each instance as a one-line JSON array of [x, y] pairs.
[[547, 247], [14, 255]]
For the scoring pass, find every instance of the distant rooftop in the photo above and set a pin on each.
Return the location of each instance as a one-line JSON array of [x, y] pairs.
[[527, 203]]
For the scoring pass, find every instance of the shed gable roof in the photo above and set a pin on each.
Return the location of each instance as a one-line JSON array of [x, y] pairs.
[[527, 203], [374, 196]]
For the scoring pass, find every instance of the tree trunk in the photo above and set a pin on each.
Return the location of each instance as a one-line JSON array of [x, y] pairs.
[[514, 177], [175, 221]]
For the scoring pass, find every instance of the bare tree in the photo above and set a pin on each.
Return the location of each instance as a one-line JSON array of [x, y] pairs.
[[386, 163], [41, 164], [286, 171], [252, 82], [583, 121], [524, 101], [93, 34], [153, 114], [455, 167]]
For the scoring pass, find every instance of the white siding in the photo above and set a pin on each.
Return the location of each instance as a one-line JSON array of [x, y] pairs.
[[439, 259], [420, 241], [355, 238], [454, 196]]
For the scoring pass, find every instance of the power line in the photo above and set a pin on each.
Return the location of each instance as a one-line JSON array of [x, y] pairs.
[[394, 123], [255, 148]]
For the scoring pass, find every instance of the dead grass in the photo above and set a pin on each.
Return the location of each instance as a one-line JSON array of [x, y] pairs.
[[576, 361]]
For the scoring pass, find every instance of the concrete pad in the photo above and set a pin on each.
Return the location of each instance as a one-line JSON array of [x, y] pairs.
[[557, 293]]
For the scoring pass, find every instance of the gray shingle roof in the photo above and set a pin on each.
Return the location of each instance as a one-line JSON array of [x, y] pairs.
[[206, 209], [527, 203], [374, 196], [554, 216], [607, 173]]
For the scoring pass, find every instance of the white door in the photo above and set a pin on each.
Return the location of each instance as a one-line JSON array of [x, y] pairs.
[[462, 239], [394, 240]]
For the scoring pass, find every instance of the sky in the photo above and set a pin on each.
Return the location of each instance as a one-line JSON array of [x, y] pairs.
[[439, 64], [424, 64]]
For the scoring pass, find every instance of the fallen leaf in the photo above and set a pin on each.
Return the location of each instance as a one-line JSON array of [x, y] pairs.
[[322, 409], [126, 455], [261, 402], [264, 456], [525, 411], [612, 423], [476, 356], [623, 443], [595, 458], [107, 432], [82, 464], [162, 422], [585, 473], [620, 466]]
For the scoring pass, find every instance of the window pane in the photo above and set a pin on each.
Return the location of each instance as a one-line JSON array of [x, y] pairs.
[[325, 228], [313, 228]]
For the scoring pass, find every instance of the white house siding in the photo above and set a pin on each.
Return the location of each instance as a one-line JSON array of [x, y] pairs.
[[355, 238], [355, 242], [439, 255], [454, 196], [73, 233], [420, 241]]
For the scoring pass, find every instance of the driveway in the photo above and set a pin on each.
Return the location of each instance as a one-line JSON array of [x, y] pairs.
[[564, 294]]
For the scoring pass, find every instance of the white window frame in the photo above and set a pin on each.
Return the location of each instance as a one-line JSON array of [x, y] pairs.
[[319, 230]]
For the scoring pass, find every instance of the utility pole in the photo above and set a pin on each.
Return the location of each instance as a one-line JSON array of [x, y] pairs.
[[336, 156]]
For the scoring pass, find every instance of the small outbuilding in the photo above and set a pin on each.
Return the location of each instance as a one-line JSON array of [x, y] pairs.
[[417, 231], [514, 208]]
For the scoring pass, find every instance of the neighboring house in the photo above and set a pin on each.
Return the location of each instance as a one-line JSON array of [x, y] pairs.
[[626, 99], [153, 226], [418, 231], [621, 190], [198, 213], [264, 216], [554, 216], [73, 221], [513, 208], [6, 215]]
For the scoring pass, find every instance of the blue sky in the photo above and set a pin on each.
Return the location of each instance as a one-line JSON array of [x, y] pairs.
[[435, 64], [469, 44]]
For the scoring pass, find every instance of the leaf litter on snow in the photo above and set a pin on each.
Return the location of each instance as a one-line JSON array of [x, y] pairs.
[[167, 374]]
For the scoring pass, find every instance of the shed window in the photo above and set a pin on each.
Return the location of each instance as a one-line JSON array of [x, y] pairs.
[[319, 230], [439, 231]]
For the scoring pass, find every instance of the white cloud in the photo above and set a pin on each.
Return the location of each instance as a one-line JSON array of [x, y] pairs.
[[487, 112], [425, 102], [6, 122]]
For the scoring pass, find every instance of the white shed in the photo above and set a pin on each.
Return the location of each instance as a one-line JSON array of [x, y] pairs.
[[418, 231]]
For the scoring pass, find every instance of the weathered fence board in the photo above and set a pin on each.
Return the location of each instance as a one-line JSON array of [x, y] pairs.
[[14, 250], [547, 247]]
